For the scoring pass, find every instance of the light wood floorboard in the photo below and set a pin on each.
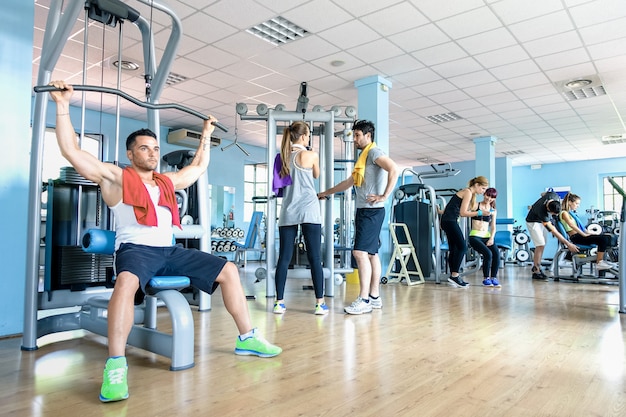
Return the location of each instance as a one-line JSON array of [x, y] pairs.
[[528, 349]]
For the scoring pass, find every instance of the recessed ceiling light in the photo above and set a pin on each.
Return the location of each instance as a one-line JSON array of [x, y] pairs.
[[337, 63], [578, 83], [586, 86], [126, 65]]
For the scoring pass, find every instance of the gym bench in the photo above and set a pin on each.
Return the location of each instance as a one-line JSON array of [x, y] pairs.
[[179, 345]]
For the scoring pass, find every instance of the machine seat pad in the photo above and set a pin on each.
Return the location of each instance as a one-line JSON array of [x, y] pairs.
[[585, 247], [162, 283]]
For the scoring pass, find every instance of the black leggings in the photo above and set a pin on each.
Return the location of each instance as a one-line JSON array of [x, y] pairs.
[[602, 241], [313, 239], [491, 255], [456, 245]]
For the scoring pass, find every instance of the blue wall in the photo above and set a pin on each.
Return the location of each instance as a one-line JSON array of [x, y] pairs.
[[16, 41], [583, 177]]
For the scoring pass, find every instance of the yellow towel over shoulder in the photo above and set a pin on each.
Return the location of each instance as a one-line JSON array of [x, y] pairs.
[[359, 168]]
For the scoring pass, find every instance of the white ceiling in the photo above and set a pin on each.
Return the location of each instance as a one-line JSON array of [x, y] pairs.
[[495, 63]]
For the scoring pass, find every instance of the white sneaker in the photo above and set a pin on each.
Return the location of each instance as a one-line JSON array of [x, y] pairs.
[[359, 306], [376, 302], [604, 265]]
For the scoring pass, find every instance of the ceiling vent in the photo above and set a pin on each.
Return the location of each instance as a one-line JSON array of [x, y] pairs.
[[614, 139], [428, 160], [278, 31], [581, 87], [173, 78], [508, 153], [189, 138], [443, 117]]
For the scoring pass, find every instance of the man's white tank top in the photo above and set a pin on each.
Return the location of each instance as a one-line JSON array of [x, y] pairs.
[[127, 230]]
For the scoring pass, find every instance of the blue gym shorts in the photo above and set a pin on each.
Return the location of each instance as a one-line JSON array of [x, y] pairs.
[[147, 261], [367, 225]]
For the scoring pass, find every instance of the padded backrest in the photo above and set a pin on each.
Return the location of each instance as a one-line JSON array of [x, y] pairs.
[[561, 229], [503, 239], [253, 229]]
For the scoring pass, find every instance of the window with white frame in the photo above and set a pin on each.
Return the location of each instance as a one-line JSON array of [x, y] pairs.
[[254, 185], [612, 199]]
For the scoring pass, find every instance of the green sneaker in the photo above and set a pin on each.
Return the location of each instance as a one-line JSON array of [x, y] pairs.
[[256, 345], [114, 384], [321, 309]]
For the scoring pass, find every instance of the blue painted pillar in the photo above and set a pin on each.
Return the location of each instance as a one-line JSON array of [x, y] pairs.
[[485, 162], [16, 43], [373, 105], [504, 185]]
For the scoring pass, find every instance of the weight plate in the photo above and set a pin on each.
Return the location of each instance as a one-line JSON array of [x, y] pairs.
[[521, 238], [522, 255]]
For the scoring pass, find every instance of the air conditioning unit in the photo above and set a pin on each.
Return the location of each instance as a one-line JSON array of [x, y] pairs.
[[614, 139], [189, 138]]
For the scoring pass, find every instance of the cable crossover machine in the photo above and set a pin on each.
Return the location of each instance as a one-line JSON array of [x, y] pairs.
[[92, 301]]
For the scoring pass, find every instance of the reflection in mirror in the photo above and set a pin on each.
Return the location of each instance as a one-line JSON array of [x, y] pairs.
[[222, 206]]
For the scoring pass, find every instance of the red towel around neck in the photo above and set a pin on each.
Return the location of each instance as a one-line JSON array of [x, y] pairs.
[[134, 193]]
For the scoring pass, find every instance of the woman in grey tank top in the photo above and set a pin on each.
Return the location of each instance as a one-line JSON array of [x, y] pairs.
[[300, 207]]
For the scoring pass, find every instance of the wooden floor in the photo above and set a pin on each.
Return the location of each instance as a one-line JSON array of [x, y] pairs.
[[528, 349]]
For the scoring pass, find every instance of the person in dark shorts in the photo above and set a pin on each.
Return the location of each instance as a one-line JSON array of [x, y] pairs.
[[146, 211], [374, 176]]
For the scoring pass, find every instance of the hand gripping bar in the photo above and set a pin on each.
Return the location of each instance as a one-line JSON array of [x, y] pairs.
[[107, 90]]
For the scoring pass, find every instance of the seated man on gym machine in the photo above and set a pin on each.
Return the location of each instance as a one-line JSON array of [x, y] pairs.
[[145, 209], [538, 222]]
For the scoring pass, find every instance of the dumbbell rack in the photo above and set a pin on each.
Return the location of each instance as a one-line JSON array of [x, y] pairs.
[[223, 239]]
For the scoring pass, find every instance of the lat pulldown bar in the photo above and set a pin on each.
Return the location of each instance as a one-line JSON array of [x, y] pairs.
[[151, 106]]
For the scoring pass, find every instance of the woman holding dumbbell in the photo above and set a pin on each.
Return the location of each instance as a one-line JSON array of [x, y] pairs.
[[459, 206], [482, 234]]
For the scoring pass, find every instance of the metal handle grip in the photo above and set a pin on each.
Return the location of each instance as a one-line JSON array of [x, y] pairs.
[[107, 90]]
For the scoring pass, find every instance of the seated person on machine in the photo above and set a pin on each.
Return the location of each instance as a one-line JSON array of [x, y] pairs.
[[481, 238], [577, 233], [146, 211]]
